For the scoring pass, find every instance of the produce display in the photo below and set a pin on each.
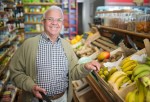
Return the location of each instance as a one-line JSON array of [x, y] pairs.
[[130, 80]]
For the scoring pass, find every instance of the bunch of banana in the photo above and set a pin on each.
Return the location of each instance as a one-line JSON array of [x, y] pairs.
[[145, 80], [140, 94], [118, 79], [127, 65], [140, 70]]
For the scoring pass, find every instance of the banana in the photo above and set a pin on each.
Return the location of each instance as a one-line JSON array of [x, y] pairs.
[[127, 96], [148, 96], [119, 81], [132, 96], [125, 60], [141, 92], [143, 73], [129, 63], [137, 96], [115, 76], [140, 68], [130, 67], [129, 73], [112, 70]]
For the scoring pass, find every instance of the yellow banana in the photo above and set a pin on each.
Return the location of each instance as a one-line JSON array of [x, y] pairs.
[[148, 96], [141, 93], [112, 70], [129, 63], [130, 67], [140, 68], [119, 81], [132, 96], [137, 96], [129, 72], [125, 60], [127, 96], [143, 73], [116, 75]]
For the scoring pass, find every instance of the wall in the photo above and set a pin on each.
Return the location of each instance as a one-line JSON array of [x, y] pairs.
[[88, 12]]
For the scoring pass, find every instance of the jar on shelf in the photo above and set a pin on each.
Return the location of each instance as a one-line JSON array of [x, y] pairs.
[[142, 25]]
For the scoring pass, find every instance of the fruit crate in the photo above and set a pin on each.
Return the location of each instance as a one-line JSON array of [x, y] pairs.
[[116, 95]]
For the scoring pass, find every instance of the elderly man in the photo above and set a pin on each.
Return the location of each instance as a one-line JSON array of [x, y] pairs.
[[46, 63]]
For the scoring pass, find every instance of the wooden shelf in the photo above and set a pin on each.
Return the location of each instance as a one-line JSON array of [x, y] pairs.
[[5, 81], [4, 54], [13, 30], [32, 23], [34, 13], [2, 28], [41, 4], [2, 12], [5, 42], [33, 32], [116, 30], [115, 11], [14, 38]]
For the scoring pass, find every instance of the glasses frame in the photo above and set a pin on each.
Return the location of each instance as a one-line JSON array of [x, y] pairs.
[[51, 19]]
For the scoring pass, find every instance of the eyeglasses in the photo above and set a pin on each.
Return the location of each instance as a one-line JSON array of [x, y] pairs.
[[51, 19]]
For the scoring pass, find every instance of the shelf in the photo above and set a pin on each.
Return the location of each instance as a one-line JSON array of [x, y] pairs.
[[2, 28], [2, 44], [4, 54], [32, 23], [33, 32], [143, 35], [14, 95], [14, 38], [13, 30], [19, 5], [34, 13], [2, 12], [115, 11], [5, 81], [41, 4]]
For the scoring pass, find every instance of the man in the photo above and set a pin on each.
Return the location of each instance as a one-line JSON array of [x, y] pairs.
[[46, 63]]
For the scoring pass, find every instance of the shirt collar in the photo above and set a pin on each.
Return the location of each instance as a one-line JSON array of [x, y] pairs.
[[45, 36]]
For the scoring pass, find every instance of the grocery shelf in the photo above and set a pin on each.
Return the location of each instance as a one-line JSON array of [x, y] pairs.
[[116, 30], [115, 11], [4, 81], [34, 13], [3, 43], [2, 28], [33, 32], [32, 23], [41, 4], [14, 38]]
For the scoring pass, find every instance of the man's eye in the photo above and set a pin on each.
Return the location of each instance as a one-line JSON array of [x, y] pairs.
[[59, 20], [50, 19]]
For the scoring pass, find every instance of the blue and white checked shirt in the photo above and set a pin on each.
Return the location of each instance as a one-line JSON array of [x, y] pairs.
[[52, 66]]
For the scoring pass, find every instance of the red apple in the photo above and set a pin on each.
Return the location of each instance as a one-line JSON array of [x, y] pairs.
[[103, 55]]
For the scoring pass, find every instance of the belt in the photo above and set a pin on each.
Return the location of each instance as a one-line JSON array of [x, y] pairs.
[[56, 96]]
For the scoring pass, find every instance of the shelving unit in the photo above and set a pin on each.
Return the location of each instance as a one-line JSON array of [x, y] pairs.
[[70, 8], [11, 28]]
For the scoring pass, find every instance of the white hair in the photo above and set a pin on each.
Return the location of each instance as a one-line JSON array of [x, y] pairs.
[[54, 8]]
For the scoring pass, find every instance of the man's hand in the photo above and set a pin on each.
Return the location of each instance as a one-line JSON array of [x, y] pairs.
[[93, 65], [36, 89]]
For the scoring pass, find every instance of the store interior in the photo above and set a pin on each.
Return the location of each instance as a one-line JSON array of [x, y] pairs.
[[116, 33]]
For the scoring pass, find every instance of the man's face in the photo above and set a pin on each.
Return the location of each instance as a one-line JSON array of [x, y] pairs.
[[53, 22]]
